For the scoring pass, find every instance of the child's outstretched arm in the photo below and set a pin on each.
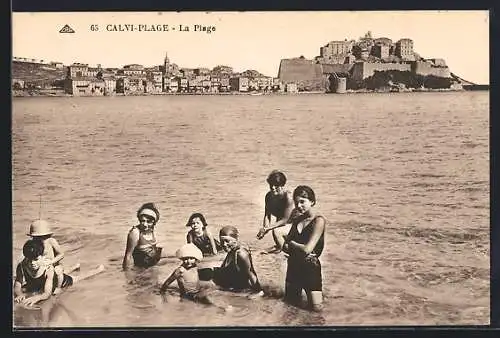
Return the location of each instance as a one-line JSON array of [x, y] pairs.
[[58, 253], [173, 276]]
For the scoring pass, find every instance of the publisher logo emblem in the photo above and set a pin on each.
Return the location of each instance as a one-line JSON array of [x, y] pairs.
[[67, 29]]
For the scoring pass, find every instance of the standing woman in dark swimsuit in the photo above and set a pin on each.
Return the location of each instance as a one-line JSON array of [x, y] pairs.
[[141, 242], [304, 244]]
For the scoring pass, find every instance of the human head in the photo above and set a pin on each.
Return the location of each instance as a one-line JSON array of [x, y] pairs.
[[228, 237], [39, 228], [305, 192], [188, 251], [32, 249], [148, 211], [192, 222], [276, 178]]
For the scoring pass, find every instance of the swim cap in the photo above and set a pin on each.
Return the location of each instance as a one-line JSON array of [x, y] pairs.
[[189, 250], [229, 230], [148, 212]]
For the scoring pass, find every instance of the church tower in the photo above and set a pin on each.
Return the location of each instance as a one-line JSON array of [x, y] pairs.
[[166, 64]]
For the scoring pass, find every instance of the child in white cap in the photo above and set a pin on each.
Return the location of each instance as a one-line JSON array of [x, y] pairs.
[[187, 277], [40, 231]]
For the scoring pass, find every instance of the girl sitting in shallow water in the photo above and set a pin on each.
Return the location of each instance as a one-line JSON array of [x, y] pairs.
[[237, 271], [200, 235], [141, 246]]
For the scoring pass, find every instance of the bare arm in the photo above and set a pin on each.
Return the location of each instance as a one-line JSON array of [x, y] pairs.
[[245, 265], [318, 229], [173, 276], [58, 253], [47, 289], [286, 215], [267, 215], [212, 242], [18, 285], [132, 240]]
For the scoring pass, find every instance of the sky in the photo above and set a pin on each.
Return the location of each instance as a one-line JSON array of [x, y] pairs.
[[248, 40]]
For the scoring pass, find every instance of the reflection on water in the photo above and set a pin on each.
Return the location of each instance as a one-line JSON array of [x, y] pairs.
[[403, 180]]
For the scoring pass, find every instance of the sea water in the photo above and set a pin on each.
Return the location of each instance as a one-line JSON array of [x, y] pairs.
[[402, 178]]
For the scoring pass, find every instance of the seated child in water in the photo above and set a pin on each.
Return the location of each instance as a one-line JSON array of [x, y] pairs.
[[52, 254], [187, 278], [35, 281], [200, 235]]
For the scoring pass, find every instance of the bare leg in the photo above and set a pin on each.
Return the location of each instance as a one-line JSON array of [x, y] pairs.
[[58, 270], [72, 268], [88, 274], [315, 300]]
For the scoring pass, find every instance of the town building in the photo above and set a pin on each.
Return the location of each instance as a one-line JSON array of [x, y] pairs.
[[85, 86], [239, 84], [133, 70], [404, 49]]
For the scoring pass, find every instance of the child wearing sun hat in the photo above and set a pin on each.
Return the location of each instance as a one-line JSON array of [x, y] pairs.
[[40, 231]]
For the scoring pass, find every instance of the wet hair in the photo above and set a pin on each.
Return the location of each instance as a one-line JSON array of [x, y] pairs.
[[32, 249], [306, 192], [197, 215], [229, 230], [276, 178], [150, 206]]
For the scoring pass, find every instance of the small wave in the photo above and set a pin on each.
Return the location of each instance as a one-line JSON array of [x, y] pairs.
[[440, 235], [457, 275]]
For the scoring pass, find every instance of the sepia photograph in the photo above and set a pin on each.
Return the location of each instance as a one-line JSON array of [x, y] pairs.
[[250, 169]]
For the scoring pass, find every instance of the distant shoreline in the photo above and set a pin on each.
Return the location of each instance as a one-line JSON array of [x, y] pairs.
[[59, 93]]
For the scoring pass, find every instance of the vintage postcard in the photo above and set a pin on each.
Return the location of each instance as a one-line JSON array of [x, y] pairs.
[[229, 169]]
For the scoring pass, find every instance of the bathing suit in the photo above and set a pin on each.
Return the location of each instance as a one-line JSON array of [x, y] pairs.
[[30, 283], [146, 253], [202, 242], [278, 206], [304, 271], [230, 276]]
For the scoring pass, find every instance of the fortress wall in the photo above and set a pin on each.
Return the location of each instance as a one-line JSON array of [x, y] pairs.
[[301, 71], [328, 68], [362, 70], [424, 68]]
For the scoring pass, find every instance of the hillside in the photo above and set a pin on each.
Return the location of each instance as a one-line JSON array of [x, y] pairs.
[[37, 74]]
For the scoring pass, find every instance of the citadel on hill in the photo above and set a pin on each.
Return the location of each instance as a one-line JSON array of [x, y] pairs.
[[370, 63], [367, 64]]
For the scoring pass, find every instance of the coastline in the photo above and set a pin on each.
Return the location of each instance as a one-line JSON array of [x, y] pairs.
[[59, 93]]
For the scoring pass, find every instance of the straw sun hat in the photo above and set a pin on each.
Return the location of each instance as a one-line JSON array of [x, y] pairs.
[[39, 228], [189, 250]]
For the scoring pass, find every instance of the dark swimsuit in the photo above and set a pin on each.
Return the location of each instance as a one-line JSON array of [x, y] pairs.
[[32, 284], [230, 276], [146, 253], [202, 242], [277, 208], [304, 271]]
